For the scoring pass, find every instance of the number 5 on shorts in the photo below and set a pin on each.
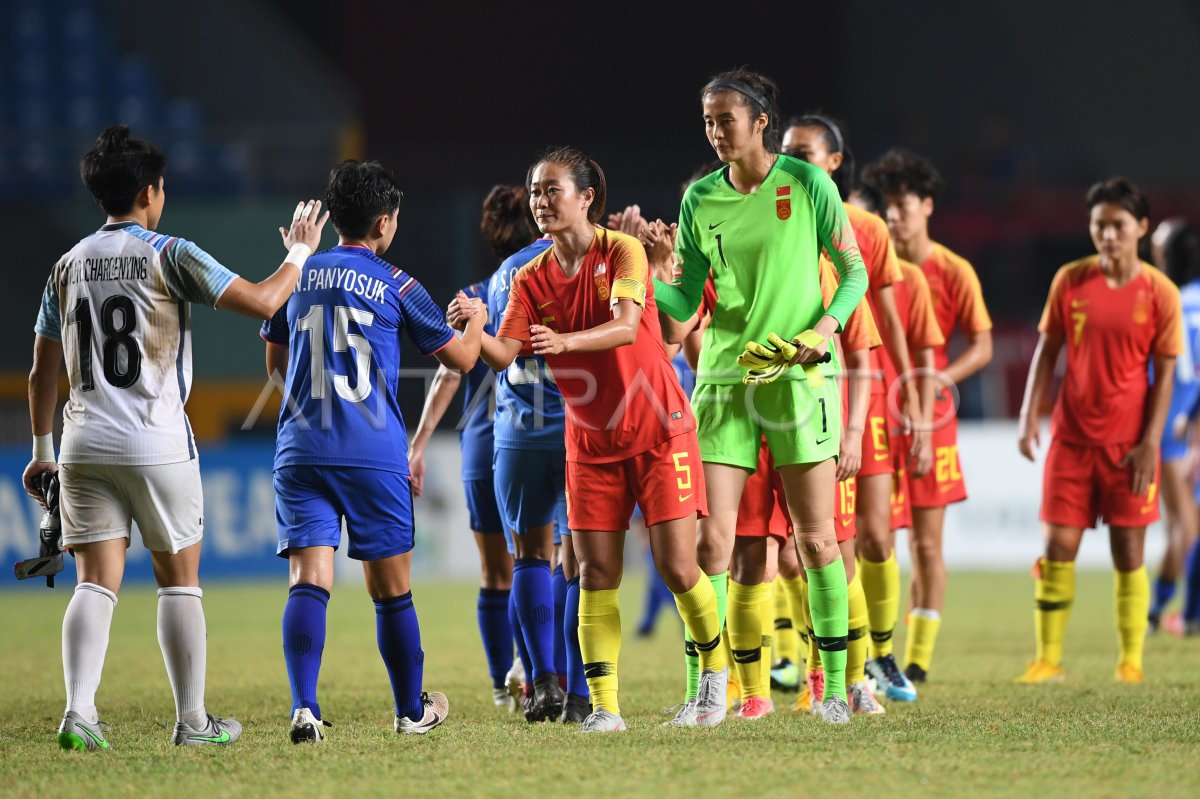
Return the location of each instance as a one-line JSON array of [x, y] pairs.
[[684, 482]]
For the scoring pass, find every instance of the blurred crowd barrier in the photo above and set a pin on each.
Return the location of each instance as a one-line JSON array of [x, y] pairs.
[[996, 528]]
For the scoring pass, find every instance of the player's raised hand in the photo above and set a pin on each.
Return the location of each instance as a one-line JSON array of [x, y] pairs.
[[1031, 437], [659, 240], [1142, 461], [629, 221], [307, 224], [545, 341]]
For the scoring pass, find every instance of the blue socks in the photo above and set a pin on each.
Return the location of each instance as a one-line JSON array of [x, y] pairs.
[[304, 642], [558, 583], [534, 601], [576, 681], [519, 637], [1191, 577], [496, 632], [399, 638], [1164, 592]]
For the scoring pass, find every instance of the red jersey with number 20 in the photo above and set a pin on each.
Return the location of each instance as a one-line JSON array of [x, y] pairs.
[[620, 402]]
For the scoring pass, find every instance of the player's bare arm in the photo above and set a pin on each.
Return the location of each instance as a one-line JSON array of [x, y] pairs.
[[619, 331], [920, 454], [976, 356], [462, 352], [441, 393], [1041, 373], [1143, 458], [858, 365], [43, 399], [261, 300]]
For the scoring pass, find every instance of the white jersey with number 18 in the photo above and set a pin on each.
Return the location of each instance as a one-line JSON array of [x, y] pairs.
[[118, 302]]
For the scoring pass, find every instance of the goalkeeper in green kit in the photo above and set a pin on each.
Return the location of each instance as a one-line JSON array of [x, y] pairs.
[[767, 367]]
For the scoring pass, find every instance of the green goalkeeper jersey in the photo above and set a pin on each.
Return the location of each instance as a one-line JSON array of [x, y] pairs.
[[763, 250]]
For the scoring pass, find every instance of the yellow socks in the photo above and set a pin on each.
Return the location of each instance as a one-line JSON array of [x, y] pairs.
[[600, 645], [698, 607], [881, 584], [1053, 593], [922, 636], [1131, 594], [767, 620], [856, 646], [743, 621], [787, 642]]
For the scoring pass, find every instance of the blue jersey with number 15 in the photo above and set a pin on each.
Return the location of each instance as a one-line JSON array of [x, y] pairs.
[[342, 327]]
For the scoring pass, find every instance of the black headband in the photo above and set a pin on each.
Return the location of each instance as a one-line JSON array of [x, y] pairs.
[[831, 126], [741, 88]]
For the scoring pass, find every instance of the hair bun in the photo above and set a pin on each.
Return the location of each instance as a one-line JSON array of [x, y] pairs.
[[113, 138]]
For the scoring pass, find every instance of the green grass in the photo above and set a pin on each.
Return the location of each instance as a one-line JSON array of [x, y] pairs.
[[972, 732]]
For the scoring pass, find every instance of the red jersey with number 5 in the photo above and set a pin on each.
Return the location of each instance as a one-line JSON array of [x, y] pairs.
[[620, 402]]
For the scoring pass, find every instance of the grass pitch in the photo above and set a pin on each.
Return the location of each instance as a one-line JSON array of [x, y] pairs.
[[972, 733]]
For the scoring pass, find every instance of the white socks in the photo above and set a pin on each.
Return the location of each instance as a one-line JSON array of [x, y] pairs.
[[84, 644], [183, 638]]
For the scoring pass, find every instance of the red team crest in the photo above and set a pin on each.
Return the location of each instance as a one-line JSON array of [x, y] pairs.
[[783, 203]]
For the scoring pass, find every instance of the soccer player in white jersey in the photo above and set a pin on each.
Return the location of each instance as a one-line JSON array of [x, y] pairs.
[[116, 310]]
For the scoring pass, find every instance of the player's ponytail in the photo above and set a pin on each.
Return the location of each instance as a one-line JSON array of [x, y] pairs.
[[585, 174], [758, 93], [119, 167]]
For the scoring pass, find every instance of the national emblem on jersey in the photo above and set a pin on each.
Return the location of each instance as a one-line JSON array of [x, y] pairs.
[[1141, 308], [783, 203], [600, 278]]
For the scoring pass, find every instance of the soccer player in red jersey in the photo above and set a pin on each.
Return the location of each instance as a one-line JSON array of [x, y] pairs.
[[910, 186], [882, 580], [1116, 316], [587, 305]]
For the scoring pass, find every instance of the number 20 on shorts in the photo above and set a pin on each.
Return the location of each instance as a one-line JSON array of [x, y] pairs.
[[946, 464]]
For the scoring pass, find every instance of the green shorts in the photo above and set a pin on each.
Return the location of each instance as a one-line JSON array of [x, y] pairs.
[[802, 423]]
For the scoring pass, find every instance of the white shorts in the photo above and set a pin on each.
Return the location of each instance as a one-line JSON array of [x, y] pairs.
[[99, 500]]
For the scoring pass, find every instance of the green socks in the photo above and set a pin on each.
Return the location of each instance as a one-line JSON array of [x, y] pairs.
[[828, 601]]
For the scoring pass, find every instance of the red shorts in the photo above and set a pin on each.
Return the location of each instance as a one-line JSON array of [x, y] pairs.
[[901, 505], [1082, 484], [764, 510], [846, 510], [666, 482], [876, 442], [943, 484]]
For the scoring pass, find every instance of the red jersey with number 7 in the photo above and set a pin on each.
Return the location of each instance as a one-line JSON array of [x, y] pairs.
[[620, 402], [1111, 335]]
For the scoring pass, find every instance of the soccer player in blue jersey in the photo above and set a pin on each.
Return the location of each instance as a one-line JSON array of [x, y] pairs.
[[341, 448], [1176, 247], [507, 227], [116, 314]]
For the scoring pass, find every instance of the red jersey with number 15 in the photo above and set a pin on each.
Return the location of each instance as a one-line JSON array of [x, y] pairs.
[[620, 402], [1111, 336]]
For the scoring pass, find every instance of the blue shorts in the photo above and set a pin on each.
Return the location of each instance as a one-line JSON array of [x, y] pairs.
[[482, 506], [311, 501], [529, 486]]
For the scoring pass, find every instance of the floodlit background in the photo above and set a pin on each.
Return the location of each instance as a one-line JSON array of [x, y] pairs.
[[1021, 105]]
